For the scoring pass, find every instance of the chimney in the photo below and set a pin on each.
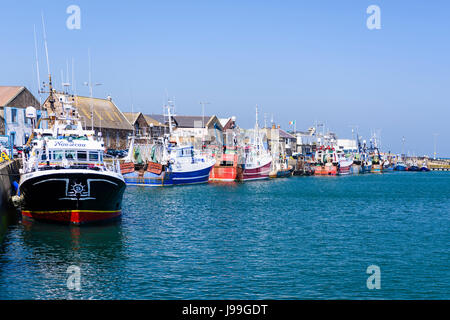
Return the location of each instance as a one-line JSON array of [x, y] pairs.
[[278, 126], [273, 125]]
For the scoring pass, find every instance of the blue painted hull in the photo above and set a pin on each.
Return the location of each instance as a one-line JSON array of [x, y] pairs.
[[198, 176], [167, 178]]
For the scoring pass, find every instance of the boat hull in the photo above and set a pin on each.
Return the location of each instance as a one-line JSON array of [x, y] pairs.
[[191, 177], [345, 168], [281, 174], [72, 196], [366, 169], [148, 179], [225, 170], [222, 173], [356, 169], [257, 173], [377, 168], [325, 170], [168, 177]]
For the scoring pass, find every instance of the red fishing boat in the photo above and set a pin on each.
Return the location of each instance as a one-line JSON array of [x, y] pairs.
[[326, 162], [257, 159], [226, 168], [256, 168]]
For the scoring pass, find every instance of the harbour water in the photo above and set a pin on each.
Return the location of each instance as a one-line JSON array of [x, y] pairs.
[[296, 238]]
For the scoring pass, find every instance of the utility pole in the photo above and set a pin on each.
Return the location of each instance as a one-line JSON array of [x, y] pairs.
[[90, 85], [203, 112]]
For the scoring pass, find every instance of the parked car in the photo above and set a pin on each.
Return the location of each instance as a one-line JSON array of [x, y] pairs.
[[116, 153], [17, 151]]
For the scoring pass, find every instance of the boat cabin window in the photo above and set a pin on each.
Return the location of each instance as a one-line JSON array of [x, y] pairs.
[[82, 155], [185, 152], [71, 154], [58, 155], [93, 156]]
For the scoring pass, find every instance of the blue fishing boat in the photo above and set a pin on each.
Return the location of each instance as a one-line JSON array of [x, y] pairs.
[[424, 166], [166, 163], [184, 165], [400, 166]]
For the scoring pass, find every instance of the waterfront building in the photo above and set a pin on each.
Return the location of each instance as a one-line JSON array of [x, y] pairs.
[[193, 129], [347, 145], [139, 123], [156, 128], [281, 138], [13, 102], [101, 115], [306, 141], [145, 125]]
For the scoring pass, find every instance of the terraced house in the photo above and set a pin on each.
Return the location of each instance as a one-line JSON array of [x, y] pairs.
[[13, 123]]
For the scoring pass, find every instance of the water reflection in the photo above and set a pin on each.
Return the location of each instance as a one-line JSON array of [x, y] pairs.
[[47, 250]]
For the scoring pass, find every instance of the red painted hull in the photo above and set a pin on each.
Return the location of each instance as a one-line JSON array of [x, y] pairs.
[[223, 174], [325, 170], [225, 170], [257, 173], [344, 170], [72, 216]]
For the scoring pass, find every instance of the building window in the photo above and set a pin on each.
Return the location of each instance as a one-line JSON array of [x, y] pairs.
[[13, 115]]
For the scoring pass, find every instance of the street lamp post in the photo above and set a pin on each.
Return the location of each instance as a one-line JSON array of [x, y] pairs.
[[435, 135], [203, 119], [89, 84]]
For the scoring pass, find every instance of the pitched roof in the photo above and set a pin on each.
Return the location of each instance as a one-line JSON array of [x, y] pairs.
[[131, 116], [191, 121], [8, 93], [156, 123], [284, 134], [156, 117], [224, 121], [106, 113]]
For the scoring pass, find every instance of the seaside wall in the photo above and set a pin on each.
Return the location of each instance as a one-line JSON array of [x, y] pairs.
[[9, 172]]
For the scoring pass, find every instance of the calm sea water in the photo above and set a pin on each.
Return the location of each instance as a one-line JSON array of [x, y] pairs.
[[296, 238]]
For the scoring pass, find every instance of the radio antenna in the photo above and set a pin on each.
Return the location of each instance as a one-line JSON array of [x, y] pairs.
[[37, 67], [51, 100]]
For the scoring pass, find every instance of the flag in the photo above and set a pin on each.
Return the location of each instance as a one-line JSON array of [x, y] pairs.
[[292, 122]]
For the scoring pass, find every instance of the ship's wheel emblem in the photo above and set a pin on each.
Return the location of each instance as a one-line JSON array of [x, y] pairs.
[[78, 188]]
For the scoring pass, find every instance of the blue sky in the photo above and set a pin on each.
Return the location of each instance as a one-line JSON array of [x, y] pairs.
[[298, 60]]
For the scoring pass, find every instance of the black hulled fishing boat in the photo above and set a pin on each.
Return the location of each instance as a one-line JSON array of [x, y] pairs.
[[65, 177]]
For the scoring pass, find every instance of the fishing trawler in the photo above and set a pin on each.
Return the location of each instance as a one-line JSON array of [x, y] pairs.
[[280, 167], [344, 163], [424, 166], [326, 163], [65, 177], [170, 163], [226, 168], [377, 164], [412, 166], [257, 159]]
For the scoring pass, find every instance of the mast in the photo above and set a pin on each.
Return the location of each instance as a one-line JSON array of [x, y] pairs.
[[37, 68], [170, 116], [51, 99]]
